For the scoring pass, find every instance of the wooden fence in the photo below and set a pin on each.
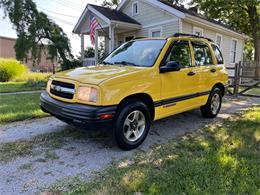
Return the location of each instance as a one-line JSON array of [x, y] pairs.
[[244, 79]]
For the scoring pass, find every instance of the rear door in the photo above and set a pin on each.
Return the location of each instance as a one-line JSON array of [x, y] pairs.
[[178, 87], [204, 65], [220, 74]]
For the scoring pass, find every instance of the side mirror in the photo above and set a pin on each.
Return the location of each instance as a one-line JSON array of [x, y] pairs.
[[170, 67]]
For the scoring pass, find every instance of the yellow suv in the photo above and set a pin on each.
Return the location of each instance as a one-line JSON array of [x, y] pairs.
[[139, 82]]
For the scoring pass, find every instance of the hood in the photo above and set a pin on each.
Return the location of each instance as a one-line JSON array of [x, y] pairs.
[[97, 74]]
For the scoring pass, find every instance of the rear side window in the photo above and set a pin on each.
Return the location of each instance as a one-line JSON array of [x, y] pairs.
[[202, 54], [217, 54]]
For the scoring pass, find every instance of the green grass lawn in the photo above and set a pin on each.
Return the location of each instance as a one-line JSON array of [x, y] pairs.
[[20, 86], [222, 158], [255, 91], [20, 107]]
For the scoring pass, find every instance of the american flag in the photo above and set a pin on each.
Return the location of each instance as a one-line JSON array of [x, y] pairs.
[[93, 25]]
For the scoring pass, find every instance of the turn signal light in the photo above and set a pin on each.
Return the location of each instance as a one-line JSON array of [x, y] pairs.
[[106, 116]]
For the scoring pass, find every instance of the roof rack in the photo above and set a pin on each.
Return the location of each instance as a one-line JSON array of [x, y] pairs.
[[190, 35]]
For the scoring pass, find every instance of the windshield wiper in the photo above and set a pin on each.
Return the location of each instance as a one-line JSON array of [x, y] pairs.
[[104, 62], [126, 63]]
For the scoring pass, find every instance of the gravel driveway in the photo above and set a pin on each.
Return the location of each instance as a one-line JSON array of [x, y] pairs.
[[84, 155]]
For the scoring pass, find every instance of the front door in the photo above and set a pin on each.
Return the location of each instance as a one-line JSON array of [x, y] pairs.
[[179, 88]]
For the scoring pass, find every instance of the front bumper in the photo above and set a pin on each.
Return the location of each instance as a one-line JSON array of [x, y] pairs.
[[78, 114]]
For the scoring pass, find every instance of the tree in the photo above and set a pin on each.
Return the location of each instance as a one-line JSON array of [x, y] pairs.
[[89, 52], [35, 31], [110, 3], [242, 15], [175, 2]]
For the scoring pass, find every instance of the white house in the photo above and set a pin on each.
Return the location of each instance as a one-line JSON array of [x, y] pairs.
[[156, 18]]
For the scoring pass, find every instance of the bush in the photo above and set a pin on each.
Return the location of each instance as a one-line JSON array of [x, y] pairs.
[[10, 68], [33, 78]]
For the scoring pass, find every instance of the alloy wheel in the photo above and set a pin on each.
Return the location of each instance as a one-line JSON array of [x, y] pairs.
[[215, 103], [134, 125]]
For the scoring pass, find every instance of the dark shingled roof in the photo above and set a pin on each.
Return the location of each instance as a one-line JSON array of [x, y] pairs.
[[113, 14], [184, 10]]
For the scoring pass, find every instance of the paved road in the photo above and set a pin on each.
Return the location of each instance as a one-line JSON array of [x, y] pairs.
[[83, 157]]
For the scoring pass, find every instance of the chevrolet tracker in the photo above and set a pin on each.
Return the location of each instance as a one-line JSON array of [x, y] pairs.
[[139, 82]]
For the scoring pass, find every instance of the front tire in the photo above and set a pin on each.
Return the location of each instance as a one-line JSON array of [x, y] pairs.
[[132, 124], [213, 106]]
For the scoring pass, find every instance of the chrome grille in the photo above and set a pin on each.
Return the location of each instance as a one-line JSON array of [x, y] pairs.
[[62, 89]]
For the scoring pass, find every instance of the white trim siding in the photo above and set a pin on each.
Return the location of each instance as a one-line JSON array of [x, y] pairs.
[[80, 19], [160, 23], [226, 41], [202, 22], [153, 15], [157, 4]]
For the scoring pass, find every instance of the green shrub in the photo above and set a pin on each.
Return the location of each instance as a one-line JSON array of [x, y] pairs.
[[10, 68], [33, 79]]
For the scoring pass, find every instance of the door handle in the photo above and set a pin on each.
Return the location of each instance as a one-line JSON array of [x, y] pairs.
[[213, 70], [191, 73]]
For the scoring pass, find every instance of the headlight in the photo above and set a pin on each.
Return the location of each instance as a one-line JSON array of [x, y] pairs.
[[89, 94]]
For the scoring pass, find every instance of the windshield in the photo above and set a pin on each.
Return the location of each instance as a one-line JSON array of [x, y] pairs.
[[136, 53]]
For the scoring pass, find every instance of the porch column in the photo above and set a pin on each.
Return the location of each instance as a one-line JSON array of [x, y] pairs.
[[82, 47], [96, 46], [112, 38]]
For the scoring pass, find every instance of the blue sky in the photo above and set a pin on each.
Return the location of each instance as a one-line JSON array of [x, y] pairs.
[[64, 12]]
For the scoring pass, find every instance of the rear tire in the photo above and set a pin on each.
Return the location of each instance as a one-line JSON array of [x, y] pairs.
[[132, 124], [213, 106]]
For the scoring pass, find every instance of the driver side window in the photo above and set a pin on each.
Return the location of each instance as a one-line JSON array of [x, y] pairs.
[[180, 53]]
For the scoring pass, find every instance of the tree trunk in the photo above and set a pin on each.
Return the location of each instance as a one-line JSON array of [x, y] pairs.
[[255, 27], [257, 56]]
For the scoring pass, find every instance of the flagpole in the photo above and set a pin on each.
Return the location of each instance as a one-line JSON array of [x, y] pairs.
[[106, 35]]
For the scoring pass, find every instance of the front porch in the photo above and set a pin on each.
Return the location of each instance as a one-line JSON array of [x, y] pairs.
[[114, 29]]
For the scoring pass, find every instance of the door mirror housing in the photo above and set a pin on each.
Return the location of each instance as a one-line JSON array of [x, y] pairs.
[[170, 67]]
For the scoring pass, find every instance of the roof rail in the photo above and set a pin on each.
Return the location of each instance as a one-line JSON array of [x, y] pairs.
[[190, 35]]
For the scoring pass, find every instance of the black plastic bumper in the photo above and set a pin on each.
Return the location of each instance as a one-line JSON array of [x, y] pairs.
[[78, 114]]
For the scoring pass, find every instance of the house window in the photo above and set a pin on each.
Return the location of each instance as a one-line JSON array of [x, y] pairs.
[[233, 51], [218, 40], [156, 32], [198, 31], [135, 8]]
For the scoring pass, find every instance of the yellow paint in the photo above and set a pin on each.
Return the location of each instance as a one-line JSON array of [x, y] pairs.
[[115, 82]]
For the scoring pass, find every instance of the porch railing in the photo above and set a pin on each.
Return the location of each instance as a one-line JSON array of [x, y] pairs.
[[89, 62]]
